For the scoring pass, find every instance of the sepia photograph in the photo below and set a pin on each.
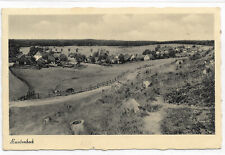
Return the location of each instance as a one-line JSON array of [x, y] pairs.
[[111, 74]]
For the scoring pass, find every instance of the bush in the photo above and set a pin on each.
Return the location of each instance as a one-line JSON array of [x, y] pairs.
[[63, 57], [189, 121]]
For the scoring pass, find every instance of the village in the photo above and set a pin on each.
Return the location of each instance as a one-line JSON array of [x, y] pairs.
[[53, 56], [140, 84]]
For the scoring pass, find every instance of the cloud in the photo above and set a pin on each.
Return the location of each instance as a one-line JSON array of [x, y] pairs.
[[118, 27]]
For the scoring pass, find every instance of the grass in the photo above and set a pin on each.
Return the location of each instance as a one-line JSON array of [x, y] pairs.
[[194, 89], [99, 118], [189, 121], [48, 79], [17, 87]]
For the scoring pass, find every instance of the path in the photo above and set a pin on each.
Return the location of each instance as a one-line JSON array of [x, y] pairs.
[[57, 99], [152, 122]]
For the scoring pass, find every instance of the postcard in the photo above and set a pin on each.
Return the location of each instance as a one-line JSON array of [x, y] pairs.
[[115, 78]]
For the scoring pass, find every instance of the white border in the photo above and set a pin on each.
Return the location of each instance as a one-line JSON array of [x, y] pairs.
[[125, 3]]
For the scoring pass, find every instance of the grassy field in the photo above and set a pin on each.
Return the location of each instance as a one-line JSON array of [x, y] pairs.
[[48, 79], [17, 88]]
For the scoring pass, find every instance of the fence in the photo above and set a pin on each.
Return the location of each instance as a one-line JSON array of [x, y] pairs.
[[98, 85]]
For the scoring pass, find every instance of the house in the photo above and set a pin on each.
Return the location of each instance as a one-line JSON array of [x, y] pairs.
[[24, 50], [114, 60], [146, 58], [177, 50], [157, 53], [132, 58], [38, 55], [184, 51]]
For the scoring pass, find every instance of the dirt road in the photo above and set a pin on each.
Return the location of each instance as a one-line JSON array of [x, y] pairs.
[[59, 99]]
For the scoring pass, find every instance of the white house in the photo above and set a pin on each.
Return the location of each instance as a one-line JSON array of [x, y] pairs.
[[157, 53], [37, 56], [25, 50], [132, 57], [72, 61], [146, 58], [184, 51]]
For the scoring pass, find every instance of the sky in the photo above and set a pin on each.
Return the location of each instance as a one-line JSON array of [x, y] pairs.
[[152, 27]]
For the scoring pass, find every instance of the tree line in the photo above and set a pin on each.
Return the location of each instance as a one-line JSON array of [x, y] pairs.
[[93, 42]]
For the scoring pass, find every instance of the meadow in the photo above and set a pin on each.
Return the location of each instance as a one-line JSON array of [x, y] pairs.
[[45, 80]]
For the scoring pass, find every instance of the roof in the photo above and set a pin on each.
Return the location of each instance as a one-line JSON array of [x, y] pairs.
[[38, 53]]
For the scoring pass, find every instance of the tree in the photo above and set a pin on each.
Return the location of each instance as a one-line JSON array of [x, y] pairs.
[[27, 60], [102, 56], [14, 51], [107, 60], [157, 47], [22, 60], [45, 55], [51, 59], [41, 63], [92, 59], [172, 52], [147, 51], [95, 54], [63, 57], [79, 58], [34, 50], [121, 58]]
